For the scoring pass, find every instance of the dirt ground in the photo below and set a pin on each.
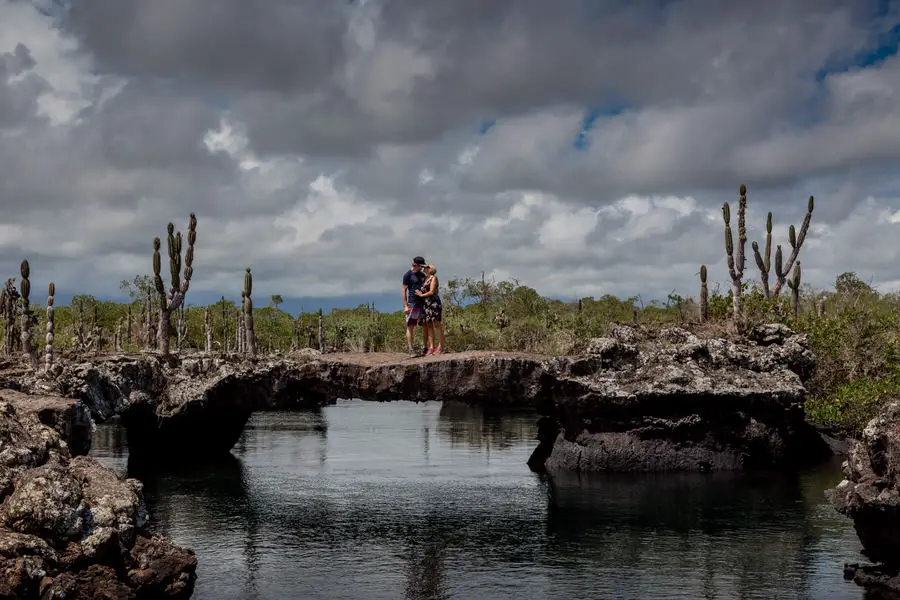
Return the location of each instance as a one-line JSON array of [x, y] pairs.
[[377, 359]]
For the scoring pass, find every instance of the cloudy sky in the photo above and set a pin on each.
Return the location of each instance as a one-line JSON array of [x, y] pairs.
[[582, 146]]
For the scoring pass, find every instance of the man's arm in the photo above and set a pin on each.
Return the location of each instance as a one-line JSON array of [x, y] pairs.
[[405, 284]]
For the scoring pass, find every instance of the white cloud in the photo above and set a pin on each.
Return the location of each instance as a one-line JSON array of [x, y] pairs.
[[328, 169]]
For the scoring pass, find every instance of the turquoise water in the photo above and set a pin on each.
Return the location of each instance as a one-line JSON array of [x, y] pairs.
[[399, 500]]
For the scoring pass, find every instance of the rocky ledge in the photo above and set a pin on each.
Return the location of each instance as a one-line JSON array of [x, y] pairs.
[[668, 400], [870, 495], [676, 401], [70, 528]]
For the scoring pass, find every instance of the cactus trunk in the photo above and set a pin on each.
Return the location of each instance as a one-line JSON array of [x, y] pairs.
[[794, 284], [248, 314], [736, 256], [207, 322], [224, 327], [25, 291], [128, 327], [704, 296], [51, 325], [239, 330]]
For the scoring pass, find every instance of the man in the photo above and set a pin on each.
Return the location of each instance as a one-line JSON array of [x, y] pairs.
[[412, 304]]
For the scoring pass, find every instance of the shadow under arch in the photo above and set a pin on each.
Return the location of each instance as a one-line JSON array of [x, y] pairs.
[[213, 497]]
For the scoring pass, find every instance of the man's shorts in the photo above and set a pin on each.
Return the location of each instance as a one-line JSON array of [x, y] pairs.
[[414, 316]]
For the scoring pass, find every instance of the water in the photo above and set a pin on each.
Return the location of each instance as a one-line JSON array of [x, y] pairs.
[[419, 501]]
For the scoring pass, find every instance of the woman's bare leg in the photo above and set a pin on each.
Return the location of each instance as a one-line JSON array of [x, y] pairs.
[[439, 329], [428, 336]]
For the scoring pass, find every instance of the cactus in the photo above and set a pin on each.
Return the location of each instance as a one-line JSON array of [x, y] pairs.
[[9, 301], [240, 338], [79, 331], [763, 262], [180, 329], [207, 324], [736, 260], [128, 327], [27, 317], [171, 300], [51, 325], [321, 331], [796, 240], [117, 337], [224, 327], [704, 296], [250, 336], [794, 284]]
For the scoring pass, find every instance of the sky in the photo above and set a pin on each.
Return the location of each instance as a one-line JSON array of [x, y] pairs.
[[583, 147]]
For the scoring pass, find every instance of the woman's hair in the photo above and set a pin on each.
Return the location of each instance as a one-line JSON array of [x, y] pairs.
[[432, 268]]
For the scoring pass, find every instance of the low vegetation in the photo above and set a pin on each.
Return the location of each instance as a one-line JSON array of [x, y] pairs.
[[853, 329]]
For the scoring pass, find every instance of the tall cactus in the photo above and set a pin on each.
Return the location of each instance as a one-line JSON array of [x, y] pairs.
[[321, 331], [79, 331], [736, 260], [224, 327], [207, 324], [704, 296], [794, 284], [151, 335], [796, 240], [128, 327], [171, 300], [248, 314], [763, 262], [240, 338], [25, 292], [51, 326], [9, 301]]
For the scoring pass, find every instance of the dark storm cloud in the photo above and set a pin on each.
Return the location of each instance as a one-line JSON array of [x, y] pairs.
[[484, 58], [18, 99], [283, 45], [152, 126]]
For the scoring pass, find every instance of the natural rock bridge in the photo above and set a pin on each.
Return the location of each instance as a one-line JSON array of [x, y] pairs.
[[670, 401]]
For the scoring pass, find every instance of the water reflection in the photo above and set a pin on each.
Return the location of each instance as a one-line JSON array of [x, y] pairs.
[[429, 501], [486, 428]]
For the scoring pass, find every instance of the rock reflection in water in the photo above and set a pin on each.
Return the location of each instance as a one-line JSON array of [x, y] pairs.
[[424, 501]]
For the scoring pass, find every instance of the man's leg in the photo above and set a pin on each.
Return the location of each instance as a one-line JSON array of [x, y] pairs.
[[410, 337]]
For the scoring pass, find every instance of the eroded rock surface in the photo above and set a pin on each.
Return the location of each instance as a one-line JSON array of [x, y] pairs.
[[648, 401], [679, 402], [870, 495], [70, 528]]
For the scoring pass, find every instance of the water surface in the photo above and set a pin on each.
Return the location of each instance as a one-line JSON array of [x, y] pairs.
[[399, 500]]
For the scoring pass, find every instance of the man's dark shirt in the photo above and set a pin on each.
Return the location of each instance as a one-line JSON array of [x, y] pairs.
[[413, 281]]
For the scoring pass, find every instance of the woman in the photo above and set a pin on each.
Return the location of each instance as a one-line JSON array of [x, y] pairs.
[[433, 310]]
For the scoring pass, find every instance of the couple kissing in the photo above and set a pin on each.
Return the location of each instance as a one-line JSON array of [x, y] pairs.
[[422, 305]]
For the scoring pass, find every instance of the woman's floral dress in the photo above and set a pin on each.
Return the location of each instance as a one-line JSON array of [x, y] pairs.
[[433, 309]]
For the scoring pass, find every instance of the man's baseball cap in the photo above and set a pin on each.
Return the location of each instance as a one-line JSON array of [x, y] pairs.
[[419, 260]]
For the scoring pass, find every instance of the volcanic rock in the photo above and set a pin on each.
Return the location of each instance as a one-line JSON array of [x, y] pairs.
[[870, 495]]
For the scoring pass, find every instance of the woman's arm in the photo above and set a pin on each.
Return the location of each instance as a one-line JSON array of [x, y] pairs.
[[431, 287]]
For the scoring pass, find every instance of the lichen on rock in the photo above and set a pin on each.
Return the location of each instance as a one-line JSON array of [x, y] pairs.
[[71, 528]]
